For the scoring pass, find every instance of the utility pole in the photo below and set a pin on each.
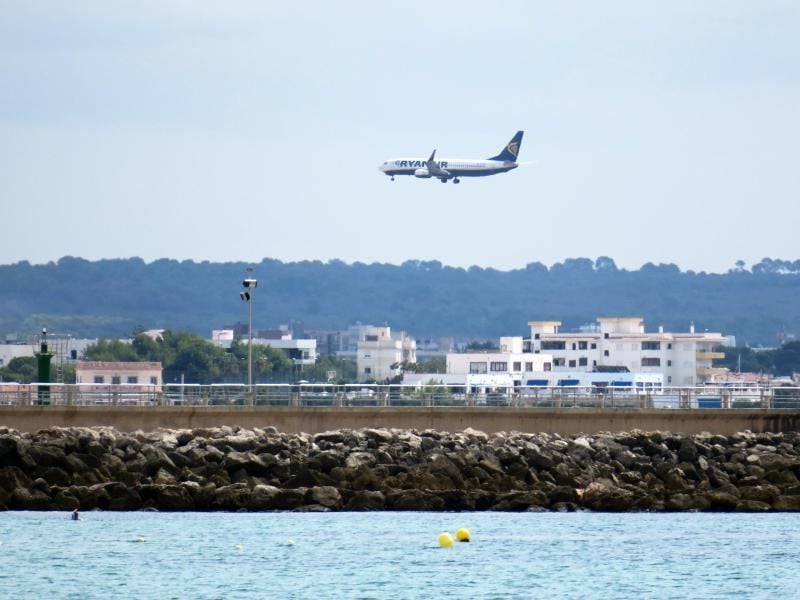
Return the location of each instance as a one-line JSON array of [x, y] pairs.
[[249, 285]]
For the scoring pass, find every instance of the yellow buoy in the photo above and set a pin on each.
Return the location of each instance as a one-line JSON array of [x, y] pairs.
[[462, 535], [445, 540]]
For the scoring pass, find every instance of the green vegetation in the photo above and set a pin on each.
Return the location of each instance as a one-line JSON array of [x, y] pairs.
[[189, 358], [346, 370], [21, 370], [783, 361], [110, 298]]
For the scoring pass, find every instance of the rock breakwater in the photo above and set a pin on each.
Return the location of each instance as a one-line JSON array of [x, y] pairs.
[[378, 469]]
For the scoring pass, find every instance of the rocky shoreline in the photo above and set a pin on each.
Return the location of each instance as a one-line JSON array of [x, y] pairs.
[[236, 469]]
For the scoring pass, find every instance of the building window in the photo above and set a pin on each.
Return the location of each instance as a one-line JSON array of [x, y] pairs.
[[547, 366], [367, 370], [498, 367], [477, 367], [651, 345], [593, 346], [518, 366], [574, 346], [99, 379], [559, 362], [583, 362], [669, 346], [536, 336], [154, 381], [133, 379], [551, 345], [529, 366], [605, 352], [572, 364], [651, 362], [583, 345], [116, 380], [669, 363]]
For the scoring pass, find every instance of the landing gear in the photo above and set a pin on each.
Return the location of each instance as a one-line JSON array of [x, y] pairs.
[[456, 180], [444, 180], [392, 178]]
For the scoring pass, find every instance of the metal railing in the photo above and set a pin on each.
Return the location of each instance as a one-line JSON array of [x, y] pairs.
[[355, 395]]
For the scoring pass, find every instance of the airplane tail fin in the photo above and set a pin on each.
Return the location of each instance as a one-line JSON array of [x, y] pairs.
[[511, 151]]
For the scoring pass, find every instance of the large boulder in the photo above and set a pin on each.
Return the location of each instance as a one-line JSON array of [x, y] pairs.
[[604, 495], [325, 495], [366, 500]]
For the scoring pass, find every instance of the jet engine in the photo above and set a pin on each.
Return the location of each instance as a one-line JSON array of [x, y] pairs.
[[422, 173]]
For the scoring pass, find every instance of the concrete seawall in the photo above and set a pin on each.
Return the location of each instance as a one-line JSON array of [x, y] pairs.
[[315, 420]]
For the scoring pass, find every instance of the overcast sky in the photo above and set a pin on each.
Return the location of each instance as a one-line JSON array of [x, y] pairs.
[[223, 131]]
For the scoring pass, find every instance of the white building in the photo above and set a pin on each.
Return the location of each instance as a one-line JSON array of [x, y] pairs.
[[510, 362], [685, 359], [300, 352], [379, 354]]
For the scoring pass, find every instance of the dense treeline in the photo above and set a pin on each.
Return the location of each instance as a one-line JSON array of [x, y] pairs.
[[113, 297], [783, 361]]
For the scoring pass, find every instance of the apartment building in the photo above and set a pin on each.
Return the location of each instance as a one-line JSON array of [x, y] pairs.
[[685, 359], [380, 354]]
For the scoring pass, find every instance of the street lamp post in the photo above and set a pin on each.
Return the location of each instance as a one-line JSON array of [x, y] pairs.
[[249, 285]]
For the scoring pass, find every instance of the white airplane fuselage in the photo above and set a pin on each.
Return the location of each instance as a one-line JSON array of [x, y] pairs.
[[446, 169], [457, 167]]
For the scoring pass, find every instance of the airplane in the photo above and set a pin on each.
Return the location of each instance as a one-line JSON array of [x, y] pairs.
[[454, 168]]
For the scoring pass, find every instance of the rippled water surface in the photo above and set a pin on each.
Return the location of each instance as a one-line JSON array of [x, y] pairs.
[[396, 555]]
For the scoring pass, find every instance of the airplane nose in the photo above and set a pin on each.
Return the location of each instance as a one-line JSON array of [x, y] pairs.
[[382, 168]]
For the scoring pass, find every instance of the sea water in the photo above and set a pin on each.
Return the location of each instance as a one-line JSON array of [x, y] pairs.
[[397, 555]]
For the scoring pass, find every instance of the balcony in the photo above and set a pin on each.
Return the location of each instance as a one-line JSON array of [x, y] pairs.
[[707, 355]]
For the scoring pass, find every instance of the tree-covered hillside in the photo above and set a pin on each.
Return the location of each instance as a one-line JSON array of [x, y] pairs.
[[113, 297]]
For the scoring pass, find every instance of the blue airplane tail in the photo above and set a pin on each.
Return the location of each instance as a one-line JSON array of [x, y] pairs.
[[511, 151]]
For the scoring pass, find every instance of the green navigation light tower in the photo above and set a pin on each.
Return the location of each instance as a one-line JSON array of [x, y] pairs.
[[43, 362]]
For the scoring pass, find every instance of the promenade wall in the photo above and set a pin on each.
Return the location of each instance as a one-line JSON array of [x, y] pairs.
[[315, 420]]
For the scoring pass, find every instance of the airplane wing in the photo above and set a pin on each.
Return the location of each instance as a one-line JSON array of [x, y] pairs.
[[435, 169]]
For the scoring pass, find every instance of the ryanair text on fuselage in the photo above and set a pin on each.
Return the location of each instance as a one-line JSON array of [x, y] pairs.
[[453, 168]]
